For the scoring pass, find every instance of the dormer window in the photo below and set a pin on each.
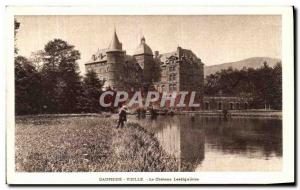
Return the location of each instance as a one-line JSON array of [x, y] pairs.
[[94, 57], [143, 40]]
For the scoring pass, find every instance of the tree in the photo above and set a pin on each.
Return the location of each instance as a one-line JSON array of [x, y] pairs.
[[27, 87], [211, 85], [61, 80], [277, 86], [36, 59], [16, 28], [91, 92], [262, 85]]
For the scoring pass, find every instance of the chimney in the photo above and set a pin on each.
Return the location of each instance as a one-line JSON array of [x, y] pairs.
[[156, 53]]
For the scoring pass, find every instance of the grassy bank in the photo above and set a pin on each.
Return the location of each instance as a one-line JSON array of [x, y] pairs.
[[86, 144]]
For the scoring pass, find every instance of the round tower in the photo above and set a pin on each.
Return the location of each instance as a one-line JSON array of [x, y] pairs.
[[115, 60]]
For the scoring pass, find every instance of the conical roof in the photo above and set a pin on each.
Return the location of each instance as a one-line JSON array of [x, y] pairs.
[[115, 44], [143, 48]]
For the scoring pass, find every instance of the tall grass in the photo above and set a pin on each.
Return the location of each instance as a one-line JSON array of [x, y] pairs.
[[86, 144]]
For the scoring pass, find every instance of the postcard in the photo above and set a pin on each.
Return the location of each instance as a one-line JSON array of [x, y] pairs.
[[150, 95]]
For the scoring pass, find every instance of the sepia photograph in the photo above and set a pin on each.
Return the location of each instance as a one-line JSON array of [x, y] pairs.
[[186, 94]]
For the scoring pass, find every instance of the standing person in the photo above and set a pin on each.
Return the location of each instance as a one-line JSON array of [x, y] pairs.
[[122, 117], [153, 113]]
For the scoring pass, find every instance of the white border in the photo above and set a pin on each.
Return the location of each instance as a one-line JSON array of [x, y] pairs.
[[287, 173]]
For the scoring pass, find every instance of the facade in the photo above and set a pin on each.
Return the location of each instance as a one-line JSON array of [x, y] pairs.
[[144, 57], [180, 70], [225, 103]]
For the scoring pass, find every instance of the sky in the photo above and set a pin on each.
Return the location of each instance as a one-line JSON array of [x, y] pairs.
[[214, 39]]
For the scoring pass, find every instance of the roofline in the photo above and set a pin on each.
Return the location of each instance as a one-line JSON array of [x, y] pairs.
[[114, 50], [90, 63], [143, 54]]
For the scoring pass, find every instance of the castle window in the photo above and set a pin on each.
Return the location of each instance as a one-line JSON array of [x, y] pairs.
[[219, 106], [237, 106], [172, 77], [174, 87], [206, 105], [170, 87], [231, 106], [172, 68]]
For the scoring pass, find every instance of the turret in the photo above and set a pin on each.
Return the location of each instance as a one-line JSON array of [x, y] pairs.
[[115, 56], [115, 44]]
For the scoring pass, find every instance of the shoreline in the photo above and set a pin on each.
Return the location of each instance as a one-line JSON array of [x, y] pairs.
[[232, 113], [91, 143]]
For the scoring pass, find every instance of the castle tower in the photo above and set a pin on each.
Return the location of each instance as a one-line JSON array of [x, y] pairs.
[[115, 59], [144, 56]]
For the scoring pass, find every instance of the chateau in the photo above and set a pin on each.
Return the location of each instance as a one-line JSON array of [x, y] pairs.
[[179, 70]]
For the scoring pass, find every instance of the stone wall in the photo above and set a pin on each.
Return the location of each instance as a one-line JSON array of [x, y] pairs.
[[146, 62]]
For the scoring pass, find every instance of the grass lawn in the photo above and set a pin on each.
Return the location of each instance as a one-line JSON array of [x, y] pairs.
[[86, 144]]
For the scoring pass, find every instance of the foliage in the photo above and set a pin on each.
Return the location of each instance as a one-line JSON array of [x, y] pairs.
[[36, 59], [61, 80], [16, 28], [262, 85], [27, 87], [91, 92], [49, 82]]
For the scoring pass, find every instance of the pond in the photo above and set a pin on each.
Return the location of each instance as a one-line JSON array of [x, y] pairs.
[[215, 144]]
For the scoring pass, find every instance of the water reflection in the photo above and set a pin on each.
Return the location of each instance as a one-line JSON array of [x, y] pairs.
[[183, 139], [245, 136], [202, 143]]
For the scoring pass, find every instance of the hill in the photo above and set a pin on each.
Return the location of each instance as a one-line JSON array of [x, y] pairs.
[[253, 62]]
